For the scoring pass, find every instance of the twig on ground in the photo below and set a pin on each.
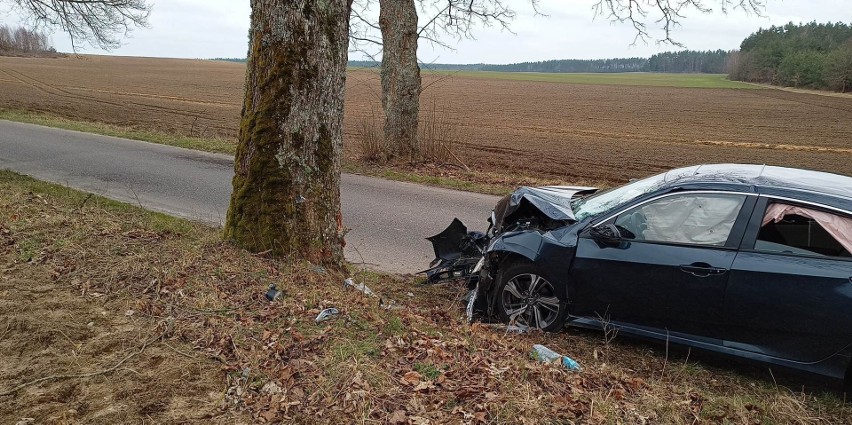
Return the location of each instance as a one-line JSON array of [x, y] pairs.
[[6, 331], [363, 262], [82, 204], [178, 351], [82, 375], [66, 337], [135, 196], [666, 361], [773, 378], [199, 311], [464, 166]]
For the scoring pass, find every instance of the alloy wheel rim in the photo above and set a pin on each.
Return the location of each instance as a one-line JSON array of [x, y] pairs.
[[530, 300]]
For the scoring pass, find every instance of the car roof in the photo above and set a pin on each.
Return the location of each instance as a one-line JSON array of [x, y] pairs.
[[765, 176]]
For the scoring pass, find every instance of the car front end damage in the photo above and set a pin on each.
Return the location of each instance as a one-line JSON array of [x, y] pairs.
[[528, 223]]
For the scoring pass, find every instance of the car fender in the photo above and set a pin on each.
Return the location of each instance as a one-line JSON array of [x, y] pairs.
[[552, 251], [527, 244]]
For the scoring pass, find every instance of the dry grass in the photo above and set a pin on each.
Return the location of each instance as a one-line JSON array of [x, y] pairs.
[[370, 137], [420, 363], [439, 135]]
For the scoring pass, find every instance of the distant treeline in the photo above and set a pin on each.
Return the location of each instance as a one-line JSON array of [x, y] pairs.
[[690, 61], [574, 65], [713, 62], [374, 64], [687, 61], [810, 55], [22, 40], [427, 66]]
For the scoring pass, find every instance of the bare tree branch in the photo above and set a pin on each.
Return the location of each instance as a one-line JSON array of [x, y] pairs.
[[364, 31], [458, 18], [100, 23], [667, 14]]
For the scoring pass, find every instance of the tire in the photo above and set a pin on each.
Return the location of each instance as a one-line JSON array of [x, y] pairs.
[[540, 309]]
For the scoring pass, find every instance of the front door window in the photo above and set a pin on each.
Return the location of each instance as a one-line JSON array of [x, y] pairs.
[[698, 219]]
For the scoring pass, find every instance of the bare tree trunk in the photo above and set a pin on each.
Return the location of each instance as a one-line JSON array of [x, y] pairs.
[[400, 76], [286, 197]]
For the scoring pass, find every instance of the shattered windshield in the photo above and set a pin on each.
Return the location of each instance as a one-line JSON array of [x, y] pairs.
[[614, 198]]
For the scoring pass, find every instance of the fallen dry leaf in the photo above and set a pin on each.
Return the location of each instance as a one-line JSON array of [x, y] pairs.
[[411, 378], [398, 417], [425, 385]]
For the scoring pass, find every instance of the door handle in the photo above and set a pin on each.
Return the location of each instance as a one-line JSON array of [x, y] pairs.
[[702, 269]]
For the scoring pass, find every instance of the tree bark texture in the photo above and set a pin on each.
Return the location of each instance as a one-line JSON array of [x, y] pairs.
[[286, 198], [400, 76]]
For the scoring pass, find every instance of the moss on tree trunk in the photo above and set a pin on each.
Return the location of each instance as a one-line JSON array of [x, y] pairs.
[[286, 197], [400, 76]]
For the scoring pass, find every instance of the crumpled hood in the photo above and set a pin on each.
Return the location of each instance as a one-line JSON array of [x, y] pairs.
[[552, 201]]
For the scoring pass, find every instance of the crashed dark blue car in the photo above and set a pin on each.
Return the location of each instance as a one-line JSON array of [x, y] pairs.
[[747, 260]]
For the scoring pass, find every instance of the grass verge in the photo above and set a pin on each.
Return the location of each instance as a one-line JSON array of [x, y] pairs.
[[419, 362], [197, 143], [451, 178], [471, 181]]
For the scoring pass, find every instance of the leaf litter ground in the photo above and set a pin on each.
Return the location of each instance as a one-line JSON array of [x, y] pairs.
[[173, 327]]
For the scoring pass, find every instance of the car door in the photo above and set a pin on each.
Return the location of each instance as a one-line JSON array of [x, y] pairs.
[[789, 294], [670, 270]]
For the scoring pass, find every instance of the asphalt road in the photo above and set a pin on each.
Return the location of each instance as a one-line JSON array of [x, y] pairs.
[[388, 220]]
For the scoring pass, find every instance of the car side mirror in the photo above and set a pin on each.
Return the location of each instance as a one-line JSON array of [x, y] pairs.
[[608, 234]]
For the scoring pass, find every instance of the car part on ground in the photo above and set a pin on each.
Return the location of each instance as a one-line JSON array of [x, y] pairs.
[[273, 293], [326, 314], [360, 287]]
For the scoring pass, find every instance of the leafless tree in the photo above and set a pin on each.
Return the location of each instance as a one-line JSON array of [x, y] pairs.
[[399, 35], [23, 40], [400, 75], [666, 14], [6, 39], [100, 23], [401, 84], [286, 187], [458, 18]]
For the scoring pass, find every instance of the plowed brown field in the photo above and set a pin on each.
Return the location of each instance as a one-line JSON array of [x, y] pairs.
[[556, 131]]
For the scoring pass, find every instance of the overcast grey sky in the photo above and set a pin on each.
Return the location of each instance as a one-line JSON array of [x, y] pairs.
[[219, 28]]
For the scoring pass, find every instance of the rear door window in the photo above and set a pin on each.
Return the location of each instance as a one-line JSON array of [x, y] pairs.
[[802, 230]]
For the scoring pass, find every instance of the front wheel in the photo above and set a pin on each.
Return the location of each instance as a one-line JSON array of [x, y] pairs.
[[525, 297]]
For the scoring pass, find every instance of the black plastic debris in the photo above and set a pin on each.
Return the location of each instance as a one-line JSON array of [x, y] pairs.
[[457, 252], [273, 293]]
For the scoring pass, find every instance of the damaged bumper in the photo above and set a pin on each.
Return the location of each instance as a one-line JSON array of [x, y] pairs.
[[460, 255], [458, 252]]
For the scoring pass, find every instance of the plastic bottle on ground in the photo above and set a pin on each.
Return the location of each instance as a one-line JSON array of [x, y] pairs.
[[546, 355]]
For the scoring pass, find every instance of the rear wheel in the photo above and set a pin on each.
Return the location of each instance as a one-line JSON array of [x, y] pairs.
[[525, 297]]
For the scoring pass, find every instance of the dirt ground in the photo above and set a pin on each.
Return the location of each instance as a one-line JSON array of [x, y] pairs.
[[54, 323], [557, 132]]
